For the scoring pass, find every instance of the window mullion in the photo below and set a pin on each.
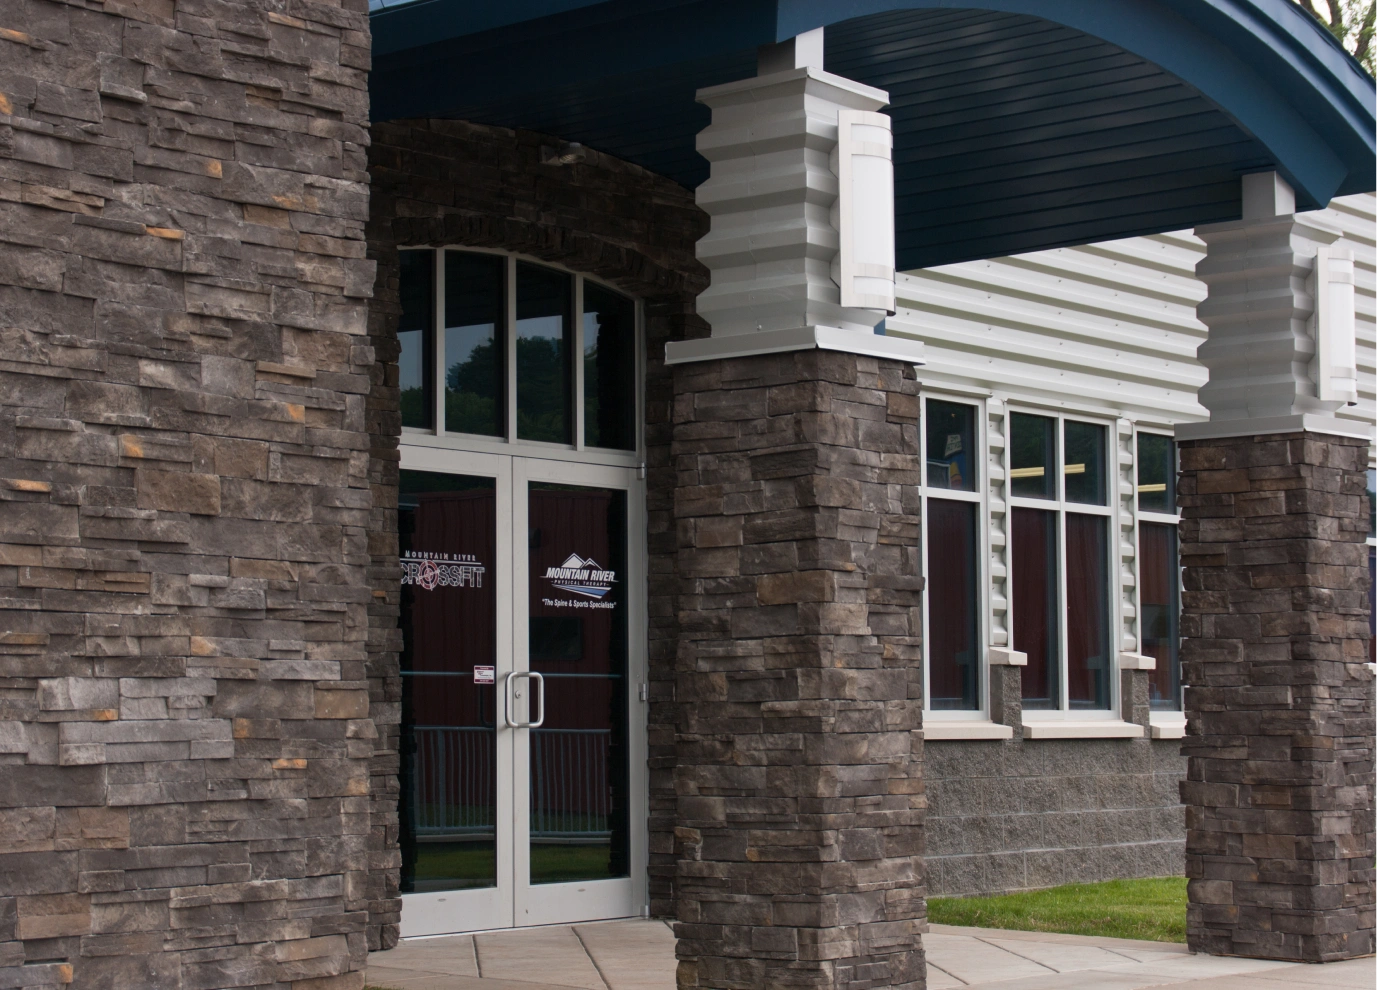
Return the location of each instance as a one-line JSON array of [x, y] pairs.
[[1063, 627], [509, 375], [639, 438], [577, 364], [923, 554], [438, 345], [923, 565]]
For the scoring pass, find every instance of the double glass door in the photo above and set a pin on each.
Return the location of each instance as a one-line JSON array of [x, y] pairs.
[[522, 795]]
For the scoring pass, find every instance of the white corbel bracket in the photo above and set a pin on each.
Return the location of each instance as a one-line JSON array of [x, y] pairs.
[[800, 193], [1333, 328]]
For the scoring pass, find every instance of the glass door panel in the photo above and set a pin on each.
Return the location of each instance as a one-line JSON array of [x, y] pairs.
[[522, 769], [578, 643], [581, 571], [451, 753]]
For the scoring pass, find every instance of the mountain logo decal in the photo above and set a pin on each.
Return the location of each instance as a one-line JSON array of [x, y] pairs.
[[581, 576]]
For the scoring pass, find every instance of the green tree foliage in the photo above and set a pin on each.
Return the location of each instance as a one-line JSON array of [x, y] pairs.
[[1351, 21]]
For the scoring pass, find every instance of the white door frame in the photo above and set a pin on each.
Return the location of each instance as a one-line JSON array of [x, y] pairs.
[[442, 912], [514, 901], [552, 903]]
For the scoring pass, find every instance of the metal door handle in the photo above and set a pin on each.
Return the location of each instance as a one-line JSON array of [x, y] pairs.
[[511, 699]]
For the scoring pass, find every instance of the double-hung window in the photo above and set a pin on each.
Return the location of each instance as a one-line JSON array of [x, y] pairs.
[[1060, 552], [496, 347], [952, 507], [1159, 568]]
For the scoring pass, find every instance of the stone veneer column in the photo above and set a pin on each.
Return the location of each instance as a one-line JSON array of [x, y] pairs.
[[185, 730], [1279, 794], [798, 675], [1279, 840]]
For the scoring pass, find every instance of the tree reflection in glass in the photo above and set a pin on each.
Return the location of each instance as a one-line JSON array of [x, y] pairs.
[[474, 347], [543, 329], [415, 362]]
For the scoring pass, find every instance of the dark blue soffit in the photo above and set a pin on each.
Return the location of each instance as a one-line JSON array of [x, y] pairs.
[[1019, 124]]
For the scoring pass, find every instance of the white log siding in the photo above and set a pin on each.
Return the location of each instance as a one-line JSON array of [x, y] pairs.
[[1108, 328], [1104, 329], [1356, 216]]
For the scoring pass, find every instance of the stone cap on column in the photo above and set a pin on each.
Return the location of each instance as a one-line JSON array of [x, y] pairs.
[[1001, 657], [794, 339], [1266, 425]]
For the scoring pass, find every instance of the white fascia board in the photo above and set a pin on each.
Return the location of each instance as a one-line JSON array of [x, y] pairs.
[[794, 339], [1060, 373], [1083, 396]]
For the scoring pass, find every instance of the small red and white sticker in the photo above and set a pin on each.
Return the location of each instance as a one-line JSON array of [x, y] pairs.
[[485, 675]]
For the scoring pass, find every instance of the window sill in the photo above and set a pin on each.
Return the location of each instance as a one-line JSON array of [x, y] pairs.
[[1088, 729], [1168, 726], [941, 729]]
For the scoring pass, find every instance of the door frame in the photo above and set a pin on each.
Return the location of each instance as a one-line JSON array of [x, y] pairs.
[[446, 911], [514, 902], [555, 903]]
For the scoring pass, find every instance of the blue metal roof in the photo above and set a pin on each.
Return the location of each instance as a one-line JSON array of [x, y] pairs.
[[1019, 124]]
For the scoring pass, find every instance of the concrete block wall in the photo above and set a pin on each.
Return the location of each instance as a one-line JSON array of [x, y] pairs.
[[453, 183], [184, 493], [1024, 814]]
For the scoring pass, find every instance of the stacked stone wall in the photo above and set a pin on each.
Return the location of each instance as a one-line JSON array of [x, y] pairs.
[[184, 493], [1279, 842], [457, 184], [798, 673]]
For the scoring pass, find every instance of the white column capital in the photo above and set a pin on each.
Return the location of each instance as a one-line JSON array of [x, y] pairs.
[[1261, 273], [801, 200]]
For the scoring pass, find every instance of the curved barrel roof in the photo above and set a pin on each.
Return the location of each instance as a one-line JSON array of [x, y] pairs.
[[1019, 124]]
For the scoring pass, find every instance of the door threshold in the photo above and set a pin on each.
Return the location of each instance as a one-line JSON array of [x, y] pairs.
[[526, 928]]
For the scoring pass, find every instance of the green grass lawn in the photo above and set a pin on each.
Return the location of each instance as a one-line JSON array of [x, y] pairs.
[[1153, 909]]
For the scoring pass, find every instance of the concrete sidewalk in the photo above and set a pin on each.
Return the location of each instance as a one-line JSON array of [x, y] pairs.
[[639, 955]]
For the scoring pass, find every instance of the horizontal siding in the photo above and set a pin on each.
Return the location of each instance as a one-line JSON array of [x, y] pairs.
[[1107, 327]]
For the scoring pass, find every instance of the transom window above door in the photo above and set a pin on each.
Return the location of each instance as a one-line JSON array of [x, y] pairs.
[[493, 346]]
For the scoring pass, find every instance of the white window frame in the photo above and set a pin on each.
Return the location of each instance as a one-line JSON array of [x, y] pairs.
[[510, 444], [1372, 537], [1162, 718], [980, 497], [1061, 507]]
